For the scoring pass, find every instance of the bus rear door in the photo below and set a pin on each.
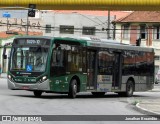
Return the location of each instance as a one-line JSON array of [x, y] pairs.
[[91, 69], [117, 71]]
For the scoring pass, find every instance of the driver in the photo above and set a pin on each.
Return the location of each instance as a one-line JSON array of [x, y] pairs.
[[39, 66]]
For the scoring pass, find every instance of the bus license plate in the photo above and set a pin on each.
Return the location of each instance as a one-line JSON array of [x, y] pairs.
[[25, 87]]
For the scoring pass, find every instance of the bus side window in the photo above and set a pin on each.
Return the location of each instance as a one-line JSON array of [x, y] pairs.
[[57, 58]]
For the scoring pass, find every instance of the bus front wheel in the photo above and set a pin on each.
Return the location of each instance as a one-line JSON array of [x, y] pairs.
[[73, 89], [37, 93]]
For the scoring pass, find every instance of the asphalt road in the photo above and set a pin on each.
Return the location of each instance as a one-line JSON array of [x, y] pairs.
[[17, 102]]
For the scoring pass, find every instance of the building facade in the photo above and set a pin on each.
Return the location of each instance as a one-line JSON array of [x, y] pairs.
[[16, 24], [73, 24], [143, 25]]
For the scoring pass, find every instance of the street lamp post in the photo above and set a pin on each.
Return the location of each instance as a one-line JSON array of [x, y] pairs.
[[108, 31], [7, 15], [27, 25]]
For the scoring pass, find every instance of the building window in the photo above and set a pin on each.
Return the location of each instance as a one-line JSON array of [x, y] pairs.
[[125, 31], [156, 32], [88, 30], [143, 33], [48, 29], [65, 29], [156, 57]]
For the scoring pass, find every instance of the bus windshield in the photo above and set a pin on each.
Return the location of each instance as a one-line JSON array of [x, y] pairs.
[[29, 59]]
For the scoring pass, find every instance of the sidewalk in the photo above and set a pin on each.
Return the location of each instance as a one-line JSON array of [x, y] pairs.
[[3, 75], [150, 106]]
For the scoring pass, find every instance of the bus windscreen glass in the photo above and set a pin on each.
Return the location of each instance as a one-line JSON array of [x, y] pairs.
[[29, 59]]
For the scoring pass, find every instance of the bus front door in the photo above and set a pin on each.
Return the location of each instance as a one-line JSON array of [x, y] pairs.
[[117, 71], [91, 69]]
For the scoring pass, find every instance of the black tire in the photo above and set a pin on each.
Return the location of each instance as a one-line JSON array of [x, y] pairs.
[[37, 93], [129, 88], [98, 94], [156, 82], [73, 89]]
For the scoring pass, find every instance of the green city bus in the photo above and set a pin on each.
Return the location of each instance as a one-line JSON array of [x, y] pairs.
[[71, 65]]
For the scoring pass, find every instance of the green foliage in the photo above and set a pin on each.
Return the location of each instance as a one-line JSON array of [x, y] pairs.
[[135, 102]]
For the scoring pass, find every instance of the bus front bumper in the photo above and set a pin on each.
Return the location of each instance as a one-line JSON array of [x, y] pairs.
[[44, 86]]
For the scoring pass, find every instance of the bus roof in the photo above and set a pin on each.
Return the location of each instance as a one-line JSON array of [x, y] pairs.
[[95, 42], [119, 46], [106, 43], [45, 37]]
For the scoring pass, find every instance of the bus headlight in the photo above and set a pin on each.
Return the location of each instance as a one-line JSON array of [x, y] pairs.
[[9, 76], [44, 78]]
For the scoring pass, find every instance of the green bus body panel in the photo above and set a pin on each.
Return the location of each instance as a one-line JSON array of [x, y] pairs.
[[61, 83], [29, 80]]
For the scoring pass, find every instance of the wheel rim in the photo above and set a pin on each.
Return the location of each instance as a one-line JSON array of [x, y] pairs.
[[74, 89], [130, 89]]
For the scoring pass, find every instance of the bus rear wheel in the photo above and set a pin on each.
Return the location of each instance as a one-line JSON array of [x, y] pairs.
[[73, 89], [98, 93], [129, 88], [37, 93]]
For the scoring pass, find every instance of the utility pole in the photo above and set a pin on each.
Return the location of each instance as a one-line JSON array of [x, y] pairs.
[[114, 28], [27, 26], [31, 13], [108, 31]]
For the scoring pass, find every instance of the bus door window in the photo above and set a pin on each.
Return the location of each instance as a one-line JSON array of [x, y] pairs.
[[58, 61], [91, 59], [84, 63], [117, 74], [116, 70], [105, 65], [74, 59]]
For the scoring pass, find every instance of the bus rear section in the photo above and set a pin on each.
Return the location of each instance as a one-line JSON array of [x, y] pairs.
[[120, 69]]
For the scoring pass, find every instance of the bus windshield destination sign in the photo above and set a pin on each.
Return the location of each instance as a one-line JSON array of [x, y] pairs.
[[31, 42]]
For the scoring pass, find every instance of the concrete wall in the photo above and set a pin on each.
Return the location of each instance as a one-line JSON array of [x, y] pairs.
[[78, 21]]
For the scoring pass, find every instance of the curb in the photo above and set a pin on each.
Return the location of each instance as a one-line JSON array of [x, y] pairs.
[[155, 91], [143, 110], [3, 77]]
